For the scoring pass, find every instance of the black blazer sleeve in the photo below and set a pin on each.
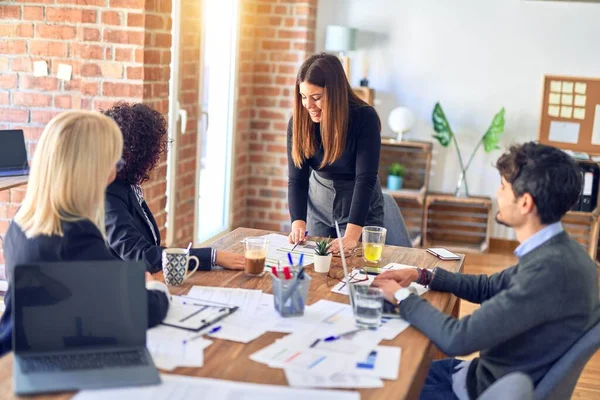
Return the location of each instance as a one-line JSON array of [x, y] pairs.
[[129, 243], [91, 246]]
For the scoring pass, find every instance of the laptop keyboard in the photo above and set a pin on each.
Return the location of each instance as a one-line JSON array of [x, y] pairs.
[[74, 362]]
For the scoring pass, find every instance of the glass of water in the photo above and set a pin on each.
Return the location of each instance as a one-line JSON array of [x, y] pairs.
[[368, 306]]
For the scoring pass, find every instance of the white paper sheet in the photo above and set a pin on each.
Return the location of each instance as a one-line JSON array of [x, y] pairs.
[[339, 380], [596, 128], [386, 365], [392, 327], [564, 132], [247, 300], [171, 347], [175, 387]]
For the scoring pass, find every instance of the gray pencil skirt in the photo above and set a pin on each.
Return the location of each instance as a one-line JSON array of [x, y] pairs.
[[330, 200]]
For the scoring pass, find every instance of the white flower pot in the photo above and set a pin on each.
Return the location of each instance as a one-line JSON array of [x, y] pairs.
[[322, 263]]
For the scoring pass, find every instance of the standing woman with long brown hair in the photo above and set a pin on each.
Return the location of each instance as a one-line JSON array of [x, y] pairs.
[[338, 136]]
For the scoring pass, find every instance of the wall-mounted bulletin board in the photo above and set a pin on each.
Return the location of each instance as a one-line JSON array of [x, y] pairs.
[[570, 117]]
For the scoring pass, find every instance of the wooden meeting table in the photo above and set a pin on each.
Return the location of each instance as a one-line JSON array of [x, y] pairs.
[[229, 360]]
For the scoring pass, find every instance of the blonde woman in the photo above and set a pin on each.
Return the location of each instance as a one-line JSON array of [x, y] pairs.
[[62, 215]]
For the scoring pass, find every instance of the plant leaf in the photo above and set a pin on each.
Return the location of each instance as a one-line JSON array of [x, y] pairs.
[[492, 136], [441, 126]]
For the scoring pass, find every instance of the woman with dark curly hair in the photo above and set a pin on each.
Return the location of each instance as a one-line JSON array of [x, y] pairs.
[[131, 229]]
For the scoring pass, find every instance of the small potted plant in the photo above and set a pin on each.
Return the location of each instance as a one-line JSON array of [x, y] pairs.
[[322, 258], [396, 173]]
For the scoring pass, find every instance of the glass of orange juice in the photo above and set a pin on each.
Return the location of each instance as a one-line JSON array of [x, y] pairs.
[[373, 240]]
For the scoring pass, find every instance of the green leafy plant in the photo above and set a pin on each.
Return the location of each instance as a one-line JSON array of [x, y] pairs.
[[322, 248], [489, 140], [396, 169]]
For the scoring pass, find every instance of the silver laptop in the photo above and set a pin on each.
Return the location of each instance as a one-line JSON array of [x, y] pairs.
[[80, 325]]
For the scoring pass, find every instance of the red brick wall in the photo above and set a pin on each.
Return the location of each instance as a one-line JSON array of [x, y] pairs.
[[119, 50], [276, 36]]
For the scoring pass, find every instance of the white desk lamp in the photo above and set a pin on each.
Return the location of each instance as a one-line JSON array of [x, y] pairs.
[[400, 121]]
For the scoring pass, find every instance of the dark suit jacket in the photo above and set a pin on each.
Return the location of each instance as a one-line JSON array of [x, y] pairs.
[[129, 235], [81, 241]]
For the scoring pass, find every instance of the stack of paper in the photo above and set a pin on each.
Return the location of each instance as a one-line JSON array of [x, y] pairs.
[[382, 363], [350, 361], [172, 347], [175, 387], [244, 325]]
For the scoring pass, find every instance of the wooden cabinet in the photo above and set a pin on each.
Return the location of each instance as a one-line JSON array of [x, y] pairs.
[[416, 158], [462, 224]]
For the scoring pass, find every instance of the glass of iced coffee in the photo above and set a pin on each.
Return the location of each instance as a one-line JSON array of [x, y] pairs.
[[255, 254]]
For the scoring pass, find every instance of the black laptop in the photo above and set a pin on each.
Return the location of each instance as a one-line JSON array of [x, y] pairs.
[[13, 153], [80, 325]]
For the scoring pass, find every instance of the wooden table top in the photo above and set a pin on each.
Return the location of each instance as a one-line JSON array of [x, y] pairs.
[[230, 360], [9, 182]]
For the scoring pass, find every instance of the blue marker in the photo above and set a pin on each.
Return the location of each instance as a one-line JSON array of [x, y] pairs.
[[369, 363], [214, 330]]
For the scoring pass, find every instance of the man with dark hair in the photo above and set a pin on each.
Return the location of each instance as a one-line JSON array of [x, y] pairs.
[[531, 313]]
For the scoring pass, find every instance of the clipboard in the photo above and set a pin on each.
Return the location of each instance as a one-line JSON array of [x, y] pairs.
[[195, 316]]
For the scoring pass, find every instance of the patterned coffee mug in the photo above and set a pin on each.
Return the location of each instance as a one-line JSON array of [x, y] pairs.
[[175, 265]]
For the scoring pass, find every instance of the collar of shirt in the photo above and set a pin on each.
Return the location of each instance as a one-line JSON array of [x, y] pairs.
[[538, 239]]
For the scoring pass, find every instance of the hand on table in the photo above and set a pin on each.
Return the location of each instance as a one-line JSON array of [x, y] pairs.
[[230, 260], [348, 243], [298, 233], [389, 288], [403, 277]]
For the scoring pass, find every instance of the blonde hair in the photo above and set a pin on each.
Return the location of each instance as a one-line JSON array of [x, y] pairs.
[[69, 173]]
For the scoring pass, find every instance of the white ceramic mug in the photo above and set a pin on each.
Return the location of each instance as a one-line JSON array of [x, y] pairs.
[[175, 264]]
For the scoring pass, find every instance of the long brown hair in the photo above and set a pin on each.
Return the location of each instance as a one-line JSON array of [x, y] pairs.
[[326, 71]]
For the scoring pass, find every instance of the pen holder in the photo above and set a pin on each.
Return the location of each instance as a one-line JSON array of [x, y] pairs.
[[289, 296]]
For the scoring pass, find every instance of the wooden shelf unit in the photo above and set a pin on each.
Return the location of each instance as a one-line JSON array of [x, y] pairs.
[[584, 228], [416, 157], [462, 224]]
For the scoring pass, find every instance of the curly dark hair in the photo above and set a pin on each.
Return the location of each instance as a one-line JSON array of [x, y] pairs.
[[144, 139], [548, 174]]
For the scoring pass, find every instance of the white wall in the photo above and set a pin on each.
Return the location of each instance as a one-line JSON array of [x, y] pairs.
[[474, 56]]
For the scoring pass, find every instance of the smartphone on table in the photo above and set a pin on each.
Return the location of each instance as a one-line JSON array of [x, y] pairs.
[[443, 254]]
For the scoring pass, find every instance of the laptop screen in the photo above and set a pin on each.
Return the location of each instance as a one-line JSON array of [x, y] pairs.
[[13, 154], [79, 305]]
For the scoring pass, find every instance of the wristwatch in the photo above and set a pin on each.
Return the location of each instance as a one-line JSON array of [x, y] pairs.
[[403, 293]]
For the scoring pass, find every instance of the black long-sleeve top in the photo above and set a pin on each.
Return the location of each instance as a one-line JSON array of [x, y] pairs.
[[359, 162]]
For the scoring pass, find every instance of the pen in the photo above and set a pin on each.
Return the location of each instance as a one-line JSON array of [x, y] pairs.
[[274, 272], [290, 259], [188, 248], [332, 338], [286, 273], [305, 235], [213, 330]]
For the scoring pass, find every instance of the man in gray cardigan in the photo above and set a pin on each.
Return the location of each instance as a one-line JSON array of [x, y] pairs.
[[531, 313]]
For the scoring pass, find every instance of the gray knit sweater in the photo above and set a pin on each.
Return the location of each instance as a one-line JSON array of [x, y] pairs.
[[530, 314]]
